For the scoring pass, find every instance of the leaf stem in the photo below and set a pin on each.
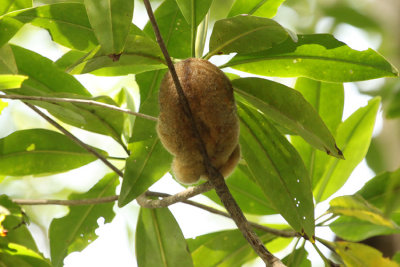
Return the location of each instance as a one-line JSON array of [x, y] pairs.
[[214, 176], [76, 140], [80, 101]]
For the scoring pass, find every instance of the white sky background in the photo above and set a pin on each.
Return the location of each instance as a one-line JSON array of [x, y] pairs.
[[115, 245]]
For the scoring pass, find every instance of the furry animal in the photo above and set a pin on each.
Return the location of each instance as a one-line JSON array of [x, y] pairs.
[[210, 96]]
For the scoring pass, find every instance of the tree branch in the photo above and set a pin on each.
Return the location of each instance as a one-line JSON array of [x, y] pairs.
[[154, 204], [76, 140], [79, 101], [147, 203], [215, 177], [75, 202], [172, 199]]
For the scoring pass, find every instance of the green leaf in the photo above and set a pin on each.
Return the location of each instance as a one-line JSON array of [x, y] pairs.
[[174, 29], [11, 5], [353, 229], [396, 257], [7, 61], [353, 137], [297, 258], [11, 81], [392, 200], [288, 108], [85, 116], [355, 254], [76, 230], [148, 162], [194, 10], [19, 256], [393, 110], [245, 34], [141, 54], [44, 76], [317, 56], [17, 231], [67, 23], [159, 240], [70, 58], [224, 248], [40, 152], [328, 100], [356, 206], [9, 27], [111, 21], [246, 192], [278, 170], [382, 190], [262, 8]]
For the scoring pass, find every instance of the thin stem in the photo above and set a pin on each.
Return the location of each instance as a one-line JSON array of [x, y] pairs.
[[193, 30], [76, 140], [80, 101], [215, 177], [281, 233], [168, 200], [172, 199], [75, 202]]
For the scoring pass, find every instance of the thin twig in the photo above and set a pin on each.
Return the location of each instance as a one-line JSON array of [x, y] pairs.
[[214, 175], [76, 140], [155, 203], [168, 200], [79, 101], [75, 202], [172, 199]]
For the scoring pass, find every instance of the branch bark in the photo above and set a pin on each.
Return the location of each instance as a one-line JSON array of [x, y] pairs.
[[166, 200], [79, 101], [215, 177], [76, 140]]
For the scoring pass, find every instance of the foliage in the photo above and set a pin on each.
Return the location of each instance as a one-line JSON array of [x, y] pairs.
[[296, 148]]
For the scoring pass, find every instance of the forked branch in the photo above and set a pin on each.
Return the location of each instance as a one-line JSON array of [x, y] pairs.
[[215, 177]]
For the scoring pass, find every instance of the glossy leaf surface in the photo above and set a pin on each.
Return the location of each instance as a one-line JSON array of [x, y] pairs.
[[140, 54], [43, 75], [328, 100], [12, 5], [67, 23], [277, 169], [11, 81], [194, 10], [356, 206], [76, 230], [353, 229], [110, 20], [159, 240], [176, 32], [224, 249], [318, 56], [288, 108], [353, 137], [19, 256], [245, 34], [39, 152], [246, 192], [149, 161], [7, 61], [354, 254], [297, 258], [262, 8]]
